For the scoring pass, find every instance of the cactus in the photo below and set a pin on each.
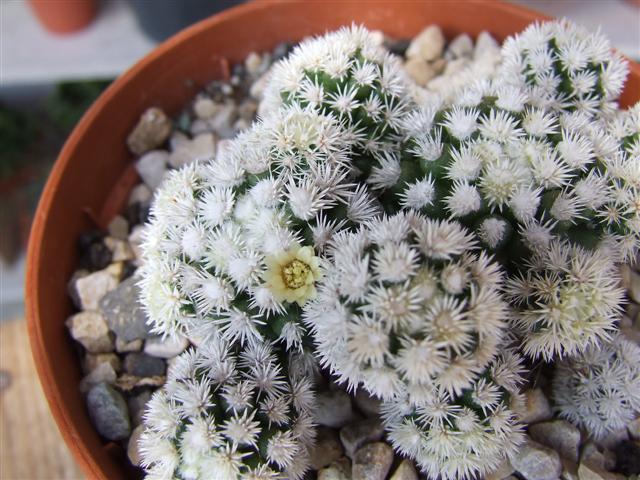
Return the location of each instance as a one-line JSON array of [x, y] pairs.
[[567, 300], [347, 74], [231, 411], [563, 66], [600, 389], [465, 436], [231, 246], [404, 304]]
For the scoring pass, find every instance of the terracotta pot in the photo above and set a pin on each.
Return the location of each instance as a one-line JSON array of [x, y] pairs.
[[64, 16], [93, 174]]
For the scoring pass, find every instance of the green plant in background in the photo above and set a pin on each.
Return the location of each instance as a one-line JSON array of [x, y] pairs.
[[69, 100], [18, 130]]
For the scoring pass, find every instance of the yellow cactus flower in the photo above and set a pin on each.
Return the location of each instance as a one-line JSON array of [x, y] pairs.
[[291, 274]]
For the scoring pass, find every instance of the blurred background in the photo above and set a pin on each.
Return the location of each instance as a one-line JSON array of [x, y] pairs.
[[56, 57]]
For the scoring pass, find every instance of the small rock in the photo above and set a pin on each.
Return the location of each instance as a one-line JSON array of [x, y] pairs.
[[590, 472], [103, 373], [634, 429], [72, 290], [503, 471], [338, 470], [123, 313], [419, 70], [140, 194], [135, 240], [120, 249], [281, 50], [560, 435], [222, 122], [252, 63], [202, 147], [94, 286], [143, 365], [369, 405], [461, 46], [591, 455], [167, 347], [486, 46], [326, 450], [133, 449], [427, 45], [199, 126], [537, 407], [397, 46], [125, 347], [354, 435], [118, 227], [152, 130], [258, 87], [91, 331], [405, 471], [333, 409], [614, 438], [455, 66], [634, 286], [537, 462], [372, 462], [92, 360], [205, 108], [152, 167], [126, 382], [247, 110], [137, 405], [628, 457], [108, 412]]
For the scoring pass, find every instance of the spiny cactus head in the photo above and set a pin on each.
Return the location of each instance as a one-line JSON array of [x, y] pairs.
[[346, 74], [224, 232], [404, 302], [599, 390], [461, 436], [231, 411], [563, 66], [566, 300]]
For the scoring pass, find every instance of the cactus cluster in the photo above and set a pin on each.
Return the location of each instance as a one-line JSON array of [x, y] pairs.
[[404, 303], [409, 248], [600, 390], [465, 435], [232, 411]]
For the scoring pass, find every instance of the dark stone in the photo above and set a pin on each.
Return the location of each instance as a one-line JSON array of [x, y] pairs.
[[397, 46], [143, 365], [137, 405], [282, 50], [108, 412], [94, 254], [628, 457], [123, 312]]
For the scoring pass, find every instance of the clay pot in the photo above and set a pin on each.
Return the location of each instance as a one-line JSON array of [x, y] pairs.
[[93, 174], [64, 16]]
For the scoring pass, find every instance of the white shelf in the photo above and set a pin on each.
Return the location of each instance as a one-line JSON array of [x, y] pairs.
[[114, 42], [106, 48]]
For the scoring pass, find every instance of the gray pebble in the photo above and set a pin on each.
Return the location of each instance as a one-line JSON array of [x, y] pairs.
[[560, 435], [133, 447], [108, 412], [372, 462], [152, 166], [103, 373], [405, 471], [124, 313], [537, 462], [143, 365], [165, 347], [137, 405], [354, 435], [326, 450], [333, 409], [151, 131], [119, 227]]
